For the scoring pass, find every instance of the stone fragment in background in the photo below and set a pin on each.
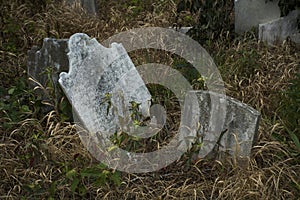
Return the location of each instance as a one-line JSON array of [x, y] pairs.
[[251, 13], [278, 30]]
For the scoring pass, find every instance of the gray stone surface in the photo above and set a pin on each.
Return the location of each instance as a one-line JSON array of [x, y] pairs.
[[251, 13], [296, 38], [279, 29], [49, 61], [100, 85], [236, 136]]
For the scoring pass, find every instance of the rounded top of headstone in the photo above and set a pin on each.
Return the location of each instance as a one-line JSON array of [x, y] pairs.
[[78, 40]]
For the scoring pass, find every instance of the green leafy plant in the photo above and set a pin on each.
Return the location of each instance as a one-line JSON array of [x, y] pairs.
[[135, 114], [10, 32], [17, 102], [51, 97], [97, 175]]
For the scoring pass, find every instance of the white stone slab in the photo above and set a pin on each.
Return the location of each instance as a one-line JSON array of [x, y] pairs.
[[101, 83], [251, 13]]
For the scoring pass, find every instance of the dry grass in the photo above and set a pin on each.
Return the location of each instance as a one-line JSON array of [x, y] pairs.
[[37, 152]]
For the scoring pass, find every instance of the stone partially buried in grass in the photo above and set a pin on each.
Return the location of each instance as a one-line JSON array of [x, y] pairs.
[[236, 136], [100, 85], [45, 64]]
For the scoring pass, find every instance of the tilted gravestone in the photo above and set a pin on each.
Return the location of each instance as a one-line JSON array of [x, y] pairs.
[[52, 59], [101, 83], [251, 13]]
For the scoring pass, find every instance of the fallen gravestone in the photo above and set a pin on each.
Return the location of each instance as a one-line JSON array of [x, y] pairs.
[[251, 13], [238, 132], [278, 30], [103, 81]]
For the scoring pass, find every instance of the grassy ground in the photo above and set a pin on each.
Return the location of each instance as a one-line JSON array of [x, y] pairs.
[[42, 157]]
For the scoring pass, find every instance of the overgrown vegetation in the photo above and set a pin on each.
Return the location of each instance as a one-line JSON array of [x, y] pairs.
[[42, 157]]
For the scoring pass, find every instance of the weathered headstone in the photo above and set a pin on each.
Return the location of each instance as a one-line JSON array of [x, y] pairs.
[[238, 132], [279, 29], [44, 65], [101, 83], [251, 13]]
